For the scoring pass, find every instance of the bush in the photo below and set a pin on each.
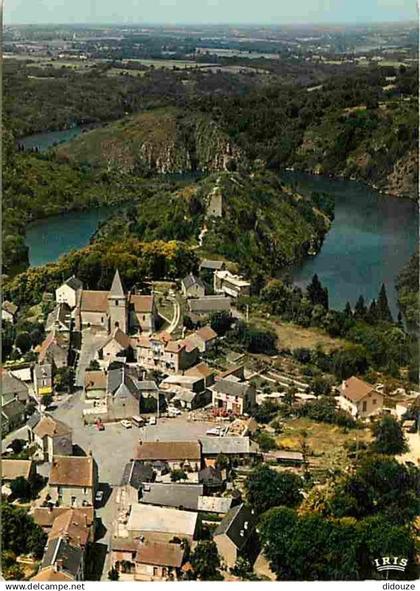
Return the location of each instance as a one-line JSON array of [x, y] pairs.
[[265, 441], [324, 410]]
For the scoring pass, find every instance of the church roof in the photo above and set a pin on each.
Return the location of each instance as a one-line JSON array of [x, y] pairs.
[[116, 287]]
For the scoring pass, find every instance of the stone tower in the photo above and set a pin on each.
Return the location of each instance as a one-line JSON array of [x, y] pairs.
[[117, 305]]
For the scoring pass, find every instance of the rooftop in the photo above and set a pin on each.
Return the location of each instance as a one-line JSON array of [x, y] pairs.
[[209, 304], [160, 553], [60, 552], [74, 283], [135, 473], [73, 525], [95, 380], [227, 445], [238, 525], [355, 389], [94, 301], [11, 469], [230, 387], [181, 496], [143, 304], [206, 333], [148, 518], [191, 280], [169, 450], [72, 471], [48, 426], [209, 264]]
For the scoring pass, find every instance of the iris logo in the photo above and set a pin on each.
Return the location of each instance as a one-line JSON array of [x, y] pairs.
[[387, 563]]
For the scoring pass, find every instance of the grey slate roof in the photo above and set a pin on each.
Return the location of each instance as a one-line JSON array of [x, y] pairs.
[[181, 496], [209, 304], [12, 385], [60, 314], [135, 473], [147, 386], [231, 387], [227, 445], [214, 265], [116, 287], [210, 476], [12, 409], [33, 420], [191, 280], [238, 525], [74, 283], [121, 384], [60, 550]]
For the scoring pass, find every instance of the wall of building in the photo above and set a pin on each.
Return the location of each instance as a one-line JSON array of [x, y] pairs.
[[65, 494], [227, 550]]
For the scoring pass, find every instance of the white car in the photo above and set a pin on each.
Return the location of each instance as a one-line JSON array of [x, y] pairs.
[[126, 424], [214, 432], [173, 411]]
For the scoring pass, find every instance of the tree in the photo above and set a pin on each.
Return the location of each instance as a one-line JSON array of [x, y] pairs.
[[265, 440], [383, 312], [290, 396], [20, 533], [265, 411], [21, 488], [8, 335], [47, 399], [93, 365], [222, 461], [389, 436], [221, 322], [113, 574], [205, 561], [348, 311], [320, 386], [23, 342], [349, 361], [14, 573], [17, 445], [360, 310], [178, 475], [316, 293], [267, 488], [64, 379]]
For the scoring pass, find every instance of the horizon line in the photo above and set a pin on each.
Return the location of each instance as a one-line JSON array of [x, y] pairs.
[[213, 24]]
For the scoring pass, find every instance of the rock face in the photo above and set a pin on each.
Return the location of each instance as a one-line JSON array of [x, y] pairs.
[[403, 180], [161, 141]]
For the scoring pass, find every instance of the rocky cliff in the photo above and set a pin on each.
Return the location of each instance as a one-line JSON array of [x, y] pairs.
[[162, 141]]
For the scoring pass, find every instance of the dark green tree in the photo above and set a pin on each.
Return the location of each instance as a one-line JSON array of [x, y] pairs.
[[64, 379], [317, 294], [360, 310], [221, 322], [266, 488], [205, 561], [23, 342], [21, 488], [388, 436], [383, 313], [113, 574], [348, 311]]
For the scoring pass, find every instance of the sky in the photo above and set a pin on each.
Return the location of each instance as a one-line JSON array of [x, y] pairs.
[[276, 12]]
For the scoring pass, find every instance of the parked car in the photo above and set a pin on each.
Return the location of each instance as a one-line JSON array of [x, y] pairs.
[[215, 432], [100, 426], [126, 424], [138, 421], [173, 411]]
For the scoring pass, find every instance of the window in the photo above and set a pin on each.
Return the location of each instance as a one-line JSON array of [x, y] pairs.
[[117, 302], [85, 491], [73, 501], [374, 401], [364, 407]]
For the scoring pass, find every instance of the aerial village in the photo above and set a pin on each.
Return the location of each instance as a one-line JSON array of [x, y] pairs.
[[143, 451]]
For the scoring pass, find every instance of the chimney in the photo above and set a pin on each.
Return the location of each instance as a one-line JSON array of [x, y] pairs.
[[242, 533], [246, 525]]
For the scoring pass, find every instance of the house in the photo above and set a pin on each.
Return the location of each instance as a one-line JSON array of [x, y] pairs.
[[122, 394], [147, 560], [62, 561], [209, 265], [148, 389], [191, 400], [208, 304], [12, 416], [179, 496], [185, 455], [202, 370], [8, 311], [241, 449], [73, 481], [285, 457], [233, 396], [158, 561], [118, 344], [211, 478], [48, 518], [75, 525], [206, 338], [43, 379], [235, 535], [54, 349], [360, 398], [12, 388], [143, 313], [217, 505], [192, 287], [231, 285], [177, 381], [135, 474], [164, 355], [12, 469], [68, 292], [161, 523], [59, 320], [95, 384], [52, 437]]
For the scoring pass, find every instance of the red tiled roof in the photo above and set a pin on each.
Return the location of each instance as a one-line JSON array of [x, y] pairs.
[[160, 553], [72, 471], [168, 450], [355, 389]]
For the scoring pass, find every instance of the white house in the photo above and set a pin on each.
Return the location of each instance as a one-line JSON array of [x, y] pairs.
[[359, 398], [67, 293]]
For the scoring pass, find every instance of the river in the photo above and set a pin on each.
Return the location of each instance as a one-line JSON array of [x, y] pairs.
[[43, 141], [370, 240]]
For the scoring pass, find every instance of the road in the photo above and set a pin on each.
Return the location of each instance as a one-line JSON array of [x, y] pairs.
[[91, 341], [176, 317]]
